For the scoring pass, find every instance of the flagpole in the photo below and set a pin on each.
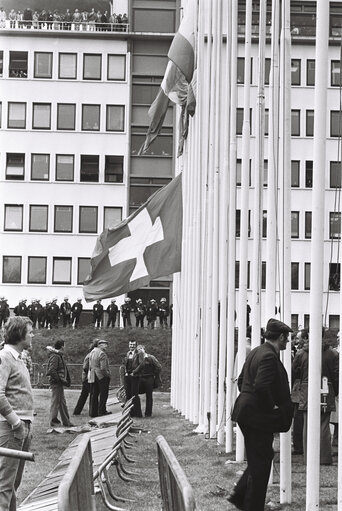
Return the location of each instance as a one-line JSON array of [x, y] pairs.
[[273, 154], [317, 255], [285, 165], [230, 329], [225, 87], [241, 354]]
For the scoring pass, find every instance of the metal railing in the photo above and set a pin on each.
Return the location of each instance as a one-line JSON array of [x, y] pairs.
[[79, 26]]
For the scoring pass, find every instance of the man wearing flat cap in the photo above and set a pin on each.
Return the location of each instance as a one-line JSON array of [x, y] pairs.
[[262, 408], [98, 379]]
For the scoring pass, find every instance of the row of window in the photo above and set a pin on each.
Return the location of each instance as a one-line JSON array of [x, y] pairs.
[[58, 268], [296, 72], [334, 224], [89, 118], [333, 322], [296, 268], [89, 167], [19, 66], [63, 218], [335, 122]]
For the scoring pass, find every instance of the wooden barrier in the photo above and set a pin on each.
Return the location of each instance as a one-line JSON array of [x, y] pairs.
[[76, 490], [176, 490]]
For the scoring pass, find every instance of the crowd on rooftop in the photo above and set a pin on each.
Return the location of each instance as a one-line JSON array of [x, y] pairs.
[[90, 21]]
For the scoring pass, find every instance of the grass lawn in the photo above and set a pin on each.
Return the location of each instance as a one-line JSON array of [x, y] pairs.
[[203, 461]]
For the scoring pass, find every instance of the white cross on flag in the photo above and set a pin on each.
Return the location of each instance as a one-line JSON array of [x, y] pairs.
[[145, 246]]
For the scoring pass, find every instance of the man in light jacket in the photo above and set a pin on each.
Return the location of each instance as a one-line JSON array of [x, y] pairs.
[[98, 378]]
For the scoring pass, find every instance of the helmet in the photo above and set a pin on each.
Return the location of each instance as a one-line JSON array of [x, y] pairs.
[[163, 300], [47, 302], [79, 299], [113, 301], [127, 299], [66, 298], [55, 299], [139, 300], [152, 300]]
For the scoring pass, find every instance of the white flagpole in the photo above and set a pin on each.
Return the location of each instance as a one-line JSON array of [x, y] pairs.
[[317, 255], [285, 438], [273, 153], [231, 64], [241, 356], [223, 223], [258, 183]]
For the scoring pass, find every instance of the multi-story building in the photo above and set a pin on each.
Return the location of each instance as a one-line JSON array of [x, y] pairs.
[[74, 102], [303, 27]]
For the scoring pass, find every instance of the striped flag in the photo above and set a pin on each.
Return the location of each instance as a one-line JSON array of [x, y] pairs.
[[177, 79], [144, 246]]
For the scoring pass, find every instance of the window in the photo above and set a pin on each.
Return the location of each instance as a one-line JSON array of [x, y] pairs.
[[13, 217], [239, 120], [88, 219], [238, 223], [90, 117], [111, 217], [38, 218], [294, 224], [308, 224], [264, 224], [295, 171], [116, 67], [294, 322], [309, 123], [161, 146], [334, 276], [115, 120], [335, 225], [310, 72], [266, 120], [42, 64], [17, 64], [335, 174], [16, 115], [36, 273], [263, 274], [92, 66], [89, 168], [144, 94], [294, 275], [237, 274], [307, 321], [1, 63], [295, 123], [66, 114], [240, 77], [146, 20], [307, 273], [40, 167], [61, 273], [114, 169], [41, 116], [267, 71], [83, 269], [335, 73], [334, 321], [64, 167], [67, 66], [308, 173], [15, 166], [11, 269], [265, 180], [63, 219], [335, 124], [295, 71]]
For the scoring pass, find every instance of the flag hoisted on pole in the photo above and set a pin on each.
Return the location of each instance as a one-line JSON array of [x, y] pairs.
[[144, 246], [177, 85]]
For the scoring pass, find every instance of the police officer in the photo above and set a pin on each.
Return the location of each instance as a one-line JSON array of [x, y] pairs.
[[76, 310], [4, 310], [46, 315], [30, 309], [21, 309], [112, 311], [54, 313], [65, 309], [151, 313], [35, 312], [97, 314], [126, 312], [140, 313], [163, 312]]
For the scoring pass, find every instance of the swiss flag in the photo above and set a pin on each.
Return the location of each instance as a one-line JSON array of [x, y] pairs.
[[146, 245]]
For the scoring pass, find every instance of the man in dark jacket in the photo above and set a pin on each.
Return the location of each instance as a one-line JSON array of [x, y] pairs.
[[97, 314], [76, 311], [65, 309], [263, 407], [112, 311], [59, 378], [54, 313], [21, 309]]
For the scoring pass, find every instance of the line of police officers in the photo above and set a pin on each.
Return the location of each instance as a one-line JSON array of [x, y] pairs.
[[150, 311], [48, 316]]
